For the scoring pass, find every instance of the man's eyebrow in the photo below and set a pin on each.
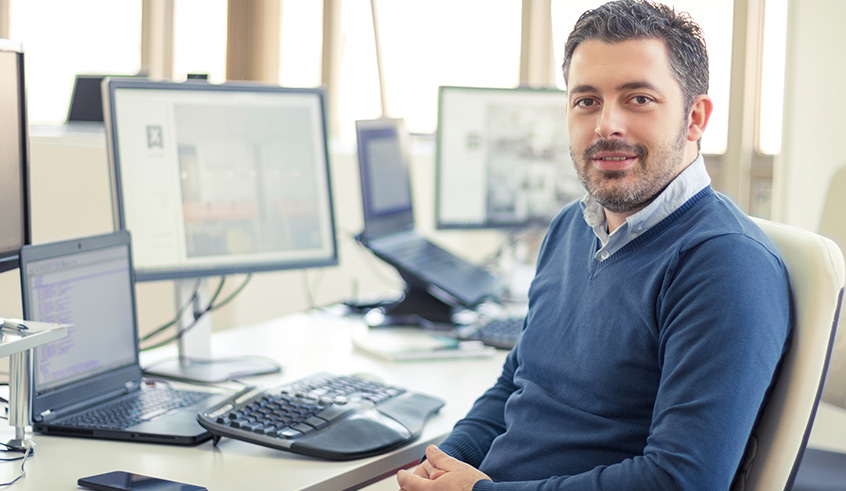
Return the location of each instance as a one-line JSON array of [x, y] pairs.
[[626, 86], [582, 88], [638, 85]]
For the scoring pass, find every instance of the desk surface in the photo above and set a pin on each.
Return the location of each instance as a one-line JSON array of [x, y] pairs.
[[303, 344]]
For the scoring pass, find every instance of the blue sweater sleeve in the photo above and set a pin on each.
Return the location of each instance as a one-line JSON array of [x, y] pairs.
[[472, 436], [724, 317]]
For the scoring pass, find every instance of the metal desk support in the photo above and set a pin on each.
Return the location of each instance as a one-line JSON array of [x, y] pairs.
[[18, 346]]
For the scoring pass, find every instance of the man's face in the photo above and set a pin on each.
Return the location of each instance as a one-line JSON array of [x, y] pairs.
[[627, 124]]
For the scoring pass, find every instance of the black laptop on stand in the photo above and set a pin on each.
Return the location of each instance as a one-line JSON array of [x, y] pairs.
[[438, 282], [89, 384]]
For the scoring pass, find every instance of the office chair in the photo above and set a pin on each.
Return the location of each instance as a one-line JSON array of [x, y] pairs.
[[816, 270], [833, 226]]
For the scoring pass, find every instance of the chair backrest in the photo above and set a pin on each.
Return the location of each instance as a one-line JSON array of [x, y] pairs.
[[816, 270], [833, 226]]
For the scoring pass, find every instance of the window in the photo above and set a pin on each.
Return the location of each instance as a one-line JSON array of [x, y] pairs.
[[62, 38], [715, 18], [424, 44], [770, 114], [301, 40], [199, 39]]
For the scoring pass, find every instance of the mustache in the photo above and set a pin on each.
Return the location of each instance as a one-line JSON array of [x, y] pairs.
[[604, 145]]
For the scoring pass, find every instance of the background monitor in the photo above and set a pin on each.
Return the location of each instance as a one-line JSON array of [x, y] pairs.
[[14, 156], [220, 179], [503, 157], [86, 102]]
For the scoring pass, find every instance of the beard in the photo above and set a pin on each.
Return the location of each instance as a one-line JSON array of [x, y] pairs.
[[629, 190]]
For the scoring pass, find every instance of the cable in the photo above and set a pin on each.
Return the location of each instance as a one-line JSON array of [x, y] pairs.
[[197, 315], [178, 316], [27, 452], [373, 264], [308, 293], [212, 306], [311, 295]]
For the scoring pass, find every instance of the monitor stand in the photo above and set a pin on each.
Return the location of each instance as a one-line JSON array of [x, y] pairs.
[[417, 307], [195, 363]]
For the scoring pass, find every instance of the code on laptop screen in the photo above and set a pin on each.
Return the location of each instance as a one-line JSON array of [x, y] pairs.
[[92, 291]]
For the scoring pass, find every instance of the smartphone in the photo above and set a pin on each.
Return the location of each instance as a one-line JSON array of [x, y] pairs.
[[127, 481]]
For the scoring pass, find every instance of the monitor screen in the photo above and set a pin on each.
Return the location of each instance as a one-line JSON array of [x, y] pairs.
[[14, 218], [503, 157], [384, 172], [91, 290], [219, 179]]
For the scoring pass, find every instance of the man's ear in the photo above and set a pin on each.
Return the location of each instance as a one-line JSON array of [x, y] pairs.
[[700, 113]]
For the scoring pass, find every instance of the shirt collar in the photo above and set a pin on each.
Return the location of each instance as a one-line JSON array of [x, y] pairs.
[[690, 181]]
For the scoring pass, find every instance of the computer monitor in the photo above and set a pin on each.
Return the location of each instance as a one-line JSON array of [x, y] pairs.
[[503, 157], [14, 156], [221, 179]]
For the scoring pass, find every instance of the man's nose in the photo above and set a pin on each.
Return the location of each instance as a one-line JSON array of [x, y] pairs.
[[611, 122]]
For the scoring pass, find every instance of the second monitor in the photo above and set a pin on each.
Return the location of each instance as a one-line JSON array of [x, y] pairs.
[[503, 157]]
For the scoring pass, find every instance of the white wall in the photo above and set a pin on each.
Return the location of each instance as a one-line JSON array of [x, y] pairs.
[[815, 105], [71, 198]]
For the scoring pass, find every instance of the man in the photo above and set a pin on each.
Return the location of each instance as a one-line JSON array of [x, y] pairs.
[[659, 312]]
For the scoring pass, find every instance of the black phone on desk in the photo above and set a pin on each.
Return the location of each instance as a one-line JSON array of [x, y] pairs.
[[128, 481]]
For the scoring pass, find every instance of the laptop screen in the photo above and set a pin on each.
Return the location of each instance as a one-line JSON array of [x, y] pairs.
[[385, 182], [92, 290]]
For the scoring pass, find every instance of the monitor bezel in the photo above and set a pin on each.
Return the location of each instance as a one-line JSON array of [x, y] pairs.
[[507, 226], [10, 260], [111, 85]]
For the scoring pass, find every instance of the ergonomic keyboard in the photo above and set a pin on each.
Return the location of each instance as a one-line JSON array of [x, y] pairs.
[[499, 332], [324, 415]]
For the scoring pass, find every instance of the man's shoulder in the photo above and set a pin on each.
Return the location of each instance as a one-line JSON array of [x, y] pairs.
[[720, 223]]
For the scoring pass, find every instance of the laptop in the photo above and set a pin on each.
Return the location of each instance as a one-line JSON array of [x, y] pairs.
[[86, 102], [89, 283], [389, 229]]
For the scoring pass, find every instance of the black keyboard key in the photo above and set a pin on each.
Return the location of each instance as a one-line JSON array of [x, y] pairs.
[[316, 422], [289, 433]]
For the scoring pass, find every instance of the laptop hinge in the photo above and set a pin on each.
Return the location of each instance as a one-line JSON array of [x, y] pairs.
[[43, 414]]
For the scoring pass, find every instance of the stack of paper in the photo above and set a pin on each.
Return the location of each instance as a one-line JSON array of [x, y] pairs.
[[411, 343]]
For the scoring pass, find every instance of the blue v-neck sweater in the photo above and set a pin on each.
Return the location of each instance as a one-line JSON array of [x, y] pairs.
[[645, 371]]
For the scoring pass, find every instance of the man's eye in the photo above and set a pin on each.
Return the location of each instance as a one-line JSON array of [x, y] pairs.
[[585, 103], [641, 100]]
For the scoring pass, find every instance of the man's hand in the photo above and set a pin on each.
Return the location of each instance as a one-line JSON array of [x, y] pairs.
[[440, 472]]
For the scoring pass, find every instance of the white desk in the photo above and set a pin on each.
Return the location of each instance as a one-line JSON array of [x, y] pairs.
[[303, 344]]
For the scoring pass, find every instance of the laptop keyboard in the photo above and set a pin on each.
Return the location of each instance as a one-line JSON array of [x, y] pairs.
[[421, 254], [135, 408], [326, 416]]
